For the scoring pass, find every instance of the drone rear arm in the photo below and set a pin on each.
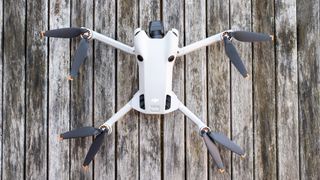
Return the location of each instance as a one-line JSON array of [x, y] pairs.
[[192, 116], [112, 42], [197, 45]]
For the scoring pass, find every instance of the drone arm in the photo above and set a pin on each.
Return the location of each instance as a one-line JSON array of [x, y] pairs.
[[123, 111], [192, 116], [112, 42], [202, 43]]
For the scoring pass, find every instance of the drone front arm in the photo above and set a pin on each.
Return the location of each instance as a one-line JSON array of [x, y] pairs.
[[112, 42], [197, 45]]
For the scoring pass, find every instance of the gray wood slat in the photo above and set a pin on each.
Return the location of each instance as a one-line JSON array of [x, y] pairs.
[[218, 84], [59, 92], [287, 90], [1, 84], [36, 91], [241, 94], [264, 93], [173, 123], [104, 87], [14, 90], [308, 23], [150, 139], [81, 92], [196, 96], [127, 86]]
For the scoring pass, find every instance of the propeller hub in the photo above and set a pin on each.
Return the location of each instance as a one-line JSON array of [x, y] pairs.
[[204, 130], [106, 127], [87, 35]]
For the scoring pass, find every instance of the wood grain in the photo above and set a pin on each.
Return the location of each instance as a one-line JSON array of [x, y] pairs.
[[196, 96], [264, 112], [241, 94], [127, 85], [218, 83], [174, 123], [36, 91], [308, 23], [59, 93], [287, 90], [1, 84], [81, 92], [14, 90], [150, 138], [105, 87]]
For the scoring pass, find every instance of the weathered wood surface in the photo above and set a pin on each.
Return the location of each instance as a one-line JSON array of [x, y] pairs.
[[127, 154], [1, 83], [264, 98], [273, 115], [104, 87], [14, 105], [59, 93], [36, 91], [81, 106], [241, 94], [308, 22], [287, 90], [218, 66], [196, 89]]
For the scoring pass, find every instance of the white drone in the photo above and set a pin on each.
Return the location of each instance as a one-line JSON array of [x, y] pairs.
[[155, 55]]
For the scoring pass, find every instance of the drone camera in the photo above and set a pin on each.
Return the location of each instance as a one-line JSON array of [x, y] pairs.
[[156, 29]]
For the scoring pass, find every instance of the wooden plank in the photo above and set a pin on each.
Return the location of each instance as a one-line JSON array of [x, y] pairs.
[[218, 83], [59, 92], [36, 91], [150, 138], [287, 90], [173, 123], [241, 94], [105, 87], [196, 96], [1, 83], [14, 90], [127, 85], [308, 23], [264, 114], [81, 91]]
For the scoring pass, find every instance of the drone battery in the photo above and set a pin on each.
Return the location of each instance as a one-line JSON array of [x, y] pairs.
[[156, 29]]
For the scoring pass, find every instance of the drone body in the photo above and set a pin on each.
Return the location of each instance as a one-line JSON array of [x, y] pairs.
[[155, 55]]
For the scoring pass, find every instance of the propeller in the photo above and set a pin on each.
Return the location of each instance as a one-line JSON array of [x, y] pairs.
[[65, 32], [246, 36], [214, 152], [79, 57], [226, 142], [84, 132], [94, 148], [243, 36], [81, 132], [234, 57], [82, 51]]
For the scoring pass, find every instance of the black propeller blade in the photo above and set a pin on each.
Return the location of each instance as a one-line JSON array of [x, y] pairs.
[[65, 32], [234, 57], [80, 132], [95, 146], [226, 142], [214, 152], [246, 36], [79, 57]]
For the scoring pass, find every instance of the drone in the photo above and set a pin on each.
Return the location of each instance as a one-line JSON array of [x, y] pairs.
[[155, 54]]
